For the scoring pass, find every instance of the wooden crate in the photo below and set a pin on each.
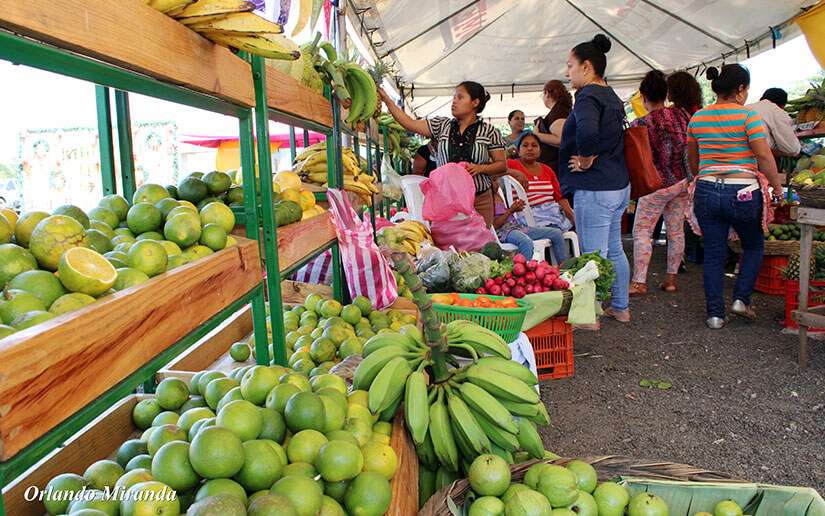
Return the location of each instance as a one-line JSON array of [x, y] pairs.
[[103, 436], [99, 440], [285, 94], [300, 239], [54, 369], [212, 351], [136, 37]]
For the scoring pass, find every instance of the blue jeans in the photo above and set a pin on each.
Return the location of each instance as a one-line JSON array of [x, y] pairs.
[[599, 226], [524, 241], [717, 209]]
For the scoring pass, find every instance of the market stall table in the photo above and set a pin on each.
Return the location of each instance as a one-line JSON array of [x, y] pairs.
[[805, 317]]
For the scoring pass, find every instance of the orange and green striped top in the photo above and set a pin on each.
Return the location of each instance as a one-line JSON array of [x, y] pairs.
[[724, 133]]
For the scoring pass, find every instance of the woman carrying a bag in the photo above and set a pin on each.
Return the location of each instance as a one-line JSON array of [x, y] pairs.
[[592, 164], [728, 151], [463, 138], [667, 131]]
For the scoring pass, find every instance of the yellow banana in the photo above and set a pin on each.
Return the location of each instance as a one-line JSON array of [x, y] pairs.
[[312, 149], [304, 10], [266, 45], [239, 23], [318, 177], [213, 7], [320, 166], [166, 6]]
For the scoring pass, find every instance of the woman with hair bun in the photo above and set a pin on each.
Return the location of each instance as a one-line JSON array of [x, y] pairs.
[[667, 131], [592, 165], [728, 151], [464, 138]]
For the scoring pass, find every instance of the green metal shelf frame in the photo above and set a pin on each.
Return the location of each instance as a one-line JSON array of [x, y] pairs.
[[20, 50], [263, 115]]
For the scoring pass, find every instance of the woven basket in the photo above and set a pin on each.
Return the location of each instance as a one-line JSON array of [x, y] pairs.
[[811, 198], [608, 468], [773, 247]]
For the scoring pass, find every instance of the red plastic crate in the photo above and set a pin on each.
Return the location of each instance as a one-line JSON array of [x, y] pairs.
[[816, 297], [552, 343], [770, 280]]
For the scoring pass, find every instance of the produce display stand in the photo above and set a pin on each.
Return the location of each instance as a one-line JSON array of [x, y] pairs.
[[808, 219], [98, 440], [60, 375]]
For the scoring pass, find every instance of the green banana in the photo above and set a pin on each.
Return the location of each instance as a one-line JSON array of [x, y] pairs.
[[426, 485], [529, 438], [388, 384], [412, 332], [483, 403], [467, 425], [542, 417], [501, 438], [504, 454], [511, 368], [369, 368], [484, 341], [426, 452], [444, 477], [416, 406], [442, 435], [502, 386], [354, 86], [329, 50], [383, 340], [366, 90], [465, 449], [388, 414], [529, 410], [341, 91]]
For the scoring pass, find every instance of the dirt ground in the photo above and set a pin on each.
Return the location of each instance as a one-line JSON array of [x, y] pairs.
[[739, 403]]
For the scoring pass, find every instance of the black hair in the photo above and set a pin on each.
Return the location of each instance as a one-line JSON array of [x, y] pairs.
[[776, 95], [476, 92], [594, 51], [513, 113], [654, 86], [527, 134], [684, 91], [728, 81]]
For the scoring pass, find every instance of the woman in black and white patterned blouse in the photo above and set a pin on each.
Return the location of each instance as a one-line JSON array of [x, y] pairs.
[[463, 138]]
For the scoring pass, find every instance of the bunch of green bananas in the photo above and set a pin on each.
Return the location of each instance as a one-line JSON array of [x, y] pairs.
[[487, 406]]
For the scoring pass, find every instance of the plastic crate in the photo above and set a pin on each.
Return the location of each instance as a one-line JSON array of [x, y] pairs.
[[770, 280], [816, 297], [552, 343], [506, 322]]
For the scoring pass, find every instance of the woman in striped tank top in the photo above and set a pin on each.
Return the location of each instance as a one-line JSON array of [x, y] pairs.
[[728, 151], [465, 138]]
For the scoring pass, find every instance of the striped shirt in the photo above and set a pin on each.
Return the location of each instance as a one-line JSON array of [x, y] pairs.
[[541, 189], [473, 146], [723, 133]]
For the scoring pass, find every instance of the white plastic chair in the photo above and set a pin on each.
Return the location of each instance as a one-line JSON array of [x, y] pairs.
[[510, 185], [414, 197]]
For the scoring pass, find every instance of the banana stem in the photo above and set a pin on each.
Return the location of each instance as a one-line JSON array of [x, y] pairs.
[[433, 333]]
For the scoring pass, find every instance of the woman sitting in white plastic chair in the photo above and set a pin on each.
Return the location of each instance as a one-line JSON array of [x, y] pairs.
[[510, 231]]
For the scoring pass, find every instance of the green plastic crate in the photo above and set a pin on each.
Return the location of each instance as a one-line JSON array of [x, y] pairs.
[[506, 322]]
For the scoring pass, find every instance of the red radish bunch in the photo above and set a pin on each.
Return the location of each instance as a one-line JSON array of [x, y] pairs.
[[528, 277]]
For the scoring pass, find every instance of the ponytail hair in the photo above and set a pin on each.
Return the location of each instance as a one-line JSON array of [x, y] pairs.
[[476, 92]]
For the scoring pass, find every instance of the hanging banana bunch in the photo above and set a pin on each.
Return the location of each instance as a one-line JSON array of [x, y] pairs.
[[230, 23]]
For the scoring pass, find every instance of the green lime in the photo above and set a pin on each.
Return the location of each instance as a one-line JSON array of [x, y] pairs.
[[85, 271], [192, 189], [183, 228], [213, 236], [53, 236], [150, 235], [149, 257], [74, 212], [128, 277], [171, 393], [239, 352], [104, 215], [25, 225], [149, 193], [98, 241], [216, 452], [143, 217], [166, 205], [70, 302], [220, 214], [14, 260], [217, 182], [170, 465]]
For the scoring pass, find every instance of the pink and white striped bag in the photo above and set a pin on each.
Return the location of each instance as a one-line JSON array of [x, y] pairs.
[[316, 272], [367, 270]]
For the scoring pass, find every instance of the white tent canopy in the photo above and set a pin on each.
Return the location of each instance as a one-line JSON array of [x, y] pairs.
[[514, 46]]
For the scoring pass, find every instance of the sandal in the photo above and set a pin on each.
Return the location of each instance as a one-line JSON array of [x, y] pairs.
[[623, 316], [669, 285], [637, 289]]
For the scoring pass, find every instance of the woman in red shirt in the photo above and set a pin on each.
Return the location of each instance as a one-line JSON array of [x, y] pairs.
[[542, 186]]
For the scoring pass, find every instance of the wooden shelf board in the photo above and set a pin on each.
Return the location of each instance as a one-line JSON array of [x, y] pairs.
[[136, 37], [287, 95], [99, 440], [52, 370]]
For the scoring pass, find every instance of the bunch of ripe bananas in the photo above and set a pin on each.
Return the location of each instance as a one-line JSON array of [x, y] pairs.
[[406, 236], [488, 406], [311, 164], [230, 23]]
